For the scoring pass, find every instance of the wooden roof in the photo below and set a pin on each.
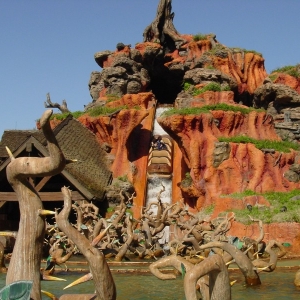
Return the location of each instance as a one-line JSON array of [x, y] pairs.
[[89, 175]]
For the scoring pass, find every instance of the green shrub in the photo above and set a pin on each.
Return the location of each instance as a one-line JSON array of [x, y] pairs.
[[290, 70], [112, 97], [123, 178], [218, 50], [62, 116], [59, 116], [238, 49], [282, 146], [187, 86], [252, 51], [226, 88], [210, 67], [199, 37], [110, 209], [187, 181], [208, 210], [212, 86], [273, 77], [103, 110]]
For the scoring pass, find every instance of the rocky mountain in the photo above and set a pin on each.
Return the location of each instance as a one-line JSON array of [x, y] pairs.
[[224, 108]]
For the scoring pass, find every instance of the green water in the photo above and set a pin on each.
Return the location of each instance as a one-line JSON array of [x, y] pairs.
[[276, 285]]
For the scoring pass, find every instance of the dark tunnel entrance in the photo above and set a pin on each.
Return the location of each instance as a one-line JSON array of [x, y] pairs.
[[166, 85]]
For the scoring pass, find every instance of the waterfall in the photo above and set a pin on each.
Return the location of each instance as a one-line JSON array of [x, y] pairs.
[[154, 184]]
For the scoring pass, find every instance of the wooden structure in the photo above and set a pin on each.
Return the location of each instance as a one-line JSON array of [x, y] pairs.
[[87, 178]]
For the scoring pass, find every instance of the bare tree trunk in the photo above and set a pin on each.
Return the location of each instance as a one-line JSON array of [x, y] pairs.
[[175, 261], [219, 285], [241, 260], [103, 280], [27, 254], [163, 26], [269, 266], [124, 248]]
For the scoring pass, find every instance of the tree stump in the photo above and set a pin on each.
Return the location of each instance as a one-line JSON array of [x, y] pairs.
[[162, 29]]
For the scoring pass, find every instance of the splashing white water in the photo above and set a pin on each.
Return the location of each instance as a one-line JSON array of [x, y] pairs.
[[157, 129], [155, 184]]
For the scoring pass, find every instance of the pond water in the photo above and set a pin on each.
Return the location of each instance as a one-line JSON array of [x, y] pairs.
[[276, 285]]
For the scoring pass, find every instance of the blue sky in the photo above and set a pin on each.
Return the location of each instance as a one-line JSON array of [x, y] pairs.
[[49, 46]]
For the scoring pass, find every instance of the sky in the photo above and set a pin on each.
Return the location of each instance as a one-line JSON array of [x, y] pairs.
[[48, 46]]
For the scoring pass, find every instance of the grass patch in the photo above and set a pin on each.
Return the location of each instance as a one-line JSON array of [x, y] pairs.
[[212, 86], [62, 116], [208, 210], [187, 181], [123, 178], [281, 146], [112, 97], [273, 77], [217, 49], [207, 109], [238, 49], [199, 37], [274, 213], [290, 70], [103, 110], [93, 112]]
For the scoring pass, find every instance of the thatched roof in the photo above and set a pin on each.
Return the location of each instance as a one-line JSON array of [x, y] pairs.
[[76, 142], [14, 138]]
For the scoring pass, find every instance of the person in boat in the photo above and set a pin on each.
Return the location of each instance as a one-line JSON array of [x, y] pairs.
[[158, 143]]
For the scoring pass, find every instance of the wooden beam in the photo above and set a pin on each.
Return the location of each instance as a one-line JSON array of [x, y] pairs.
[[42, 183], [45, 196]]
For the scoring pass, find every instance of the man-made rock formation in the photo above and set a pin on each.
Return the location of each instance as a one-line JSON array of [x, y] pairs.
[[126, 135]]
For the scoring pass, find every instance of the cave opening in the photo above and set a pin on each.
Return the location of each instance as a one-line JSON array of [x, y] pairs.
[[166, 85]]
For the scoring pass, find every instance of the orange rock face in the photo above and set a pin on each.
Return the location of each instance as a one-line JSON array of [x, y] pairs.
[[288, 80], [246, 68], [245, 168], [128, 133]]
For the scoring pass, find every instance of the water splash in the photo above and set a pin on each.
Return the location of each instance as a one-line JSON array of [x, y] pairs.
[[156, 184]]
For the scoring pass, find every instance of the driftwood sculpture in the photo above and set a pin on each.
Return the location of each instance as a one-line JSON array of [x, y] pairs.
[[100, 272], [218, 280], [27, 254], [243, 262], [62, 107], [162, 29], [215, 286]]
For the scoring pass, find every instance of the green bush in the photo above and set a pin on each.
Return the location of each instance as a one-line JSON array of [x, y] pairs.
[[199, 37], [290, 70], [112, 97], [123, 178], [62, 116], [187, 86], [103, 110], [212, 86], [187, 181], [237, 49], [282, 146], [208, 210], [226, 88]]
